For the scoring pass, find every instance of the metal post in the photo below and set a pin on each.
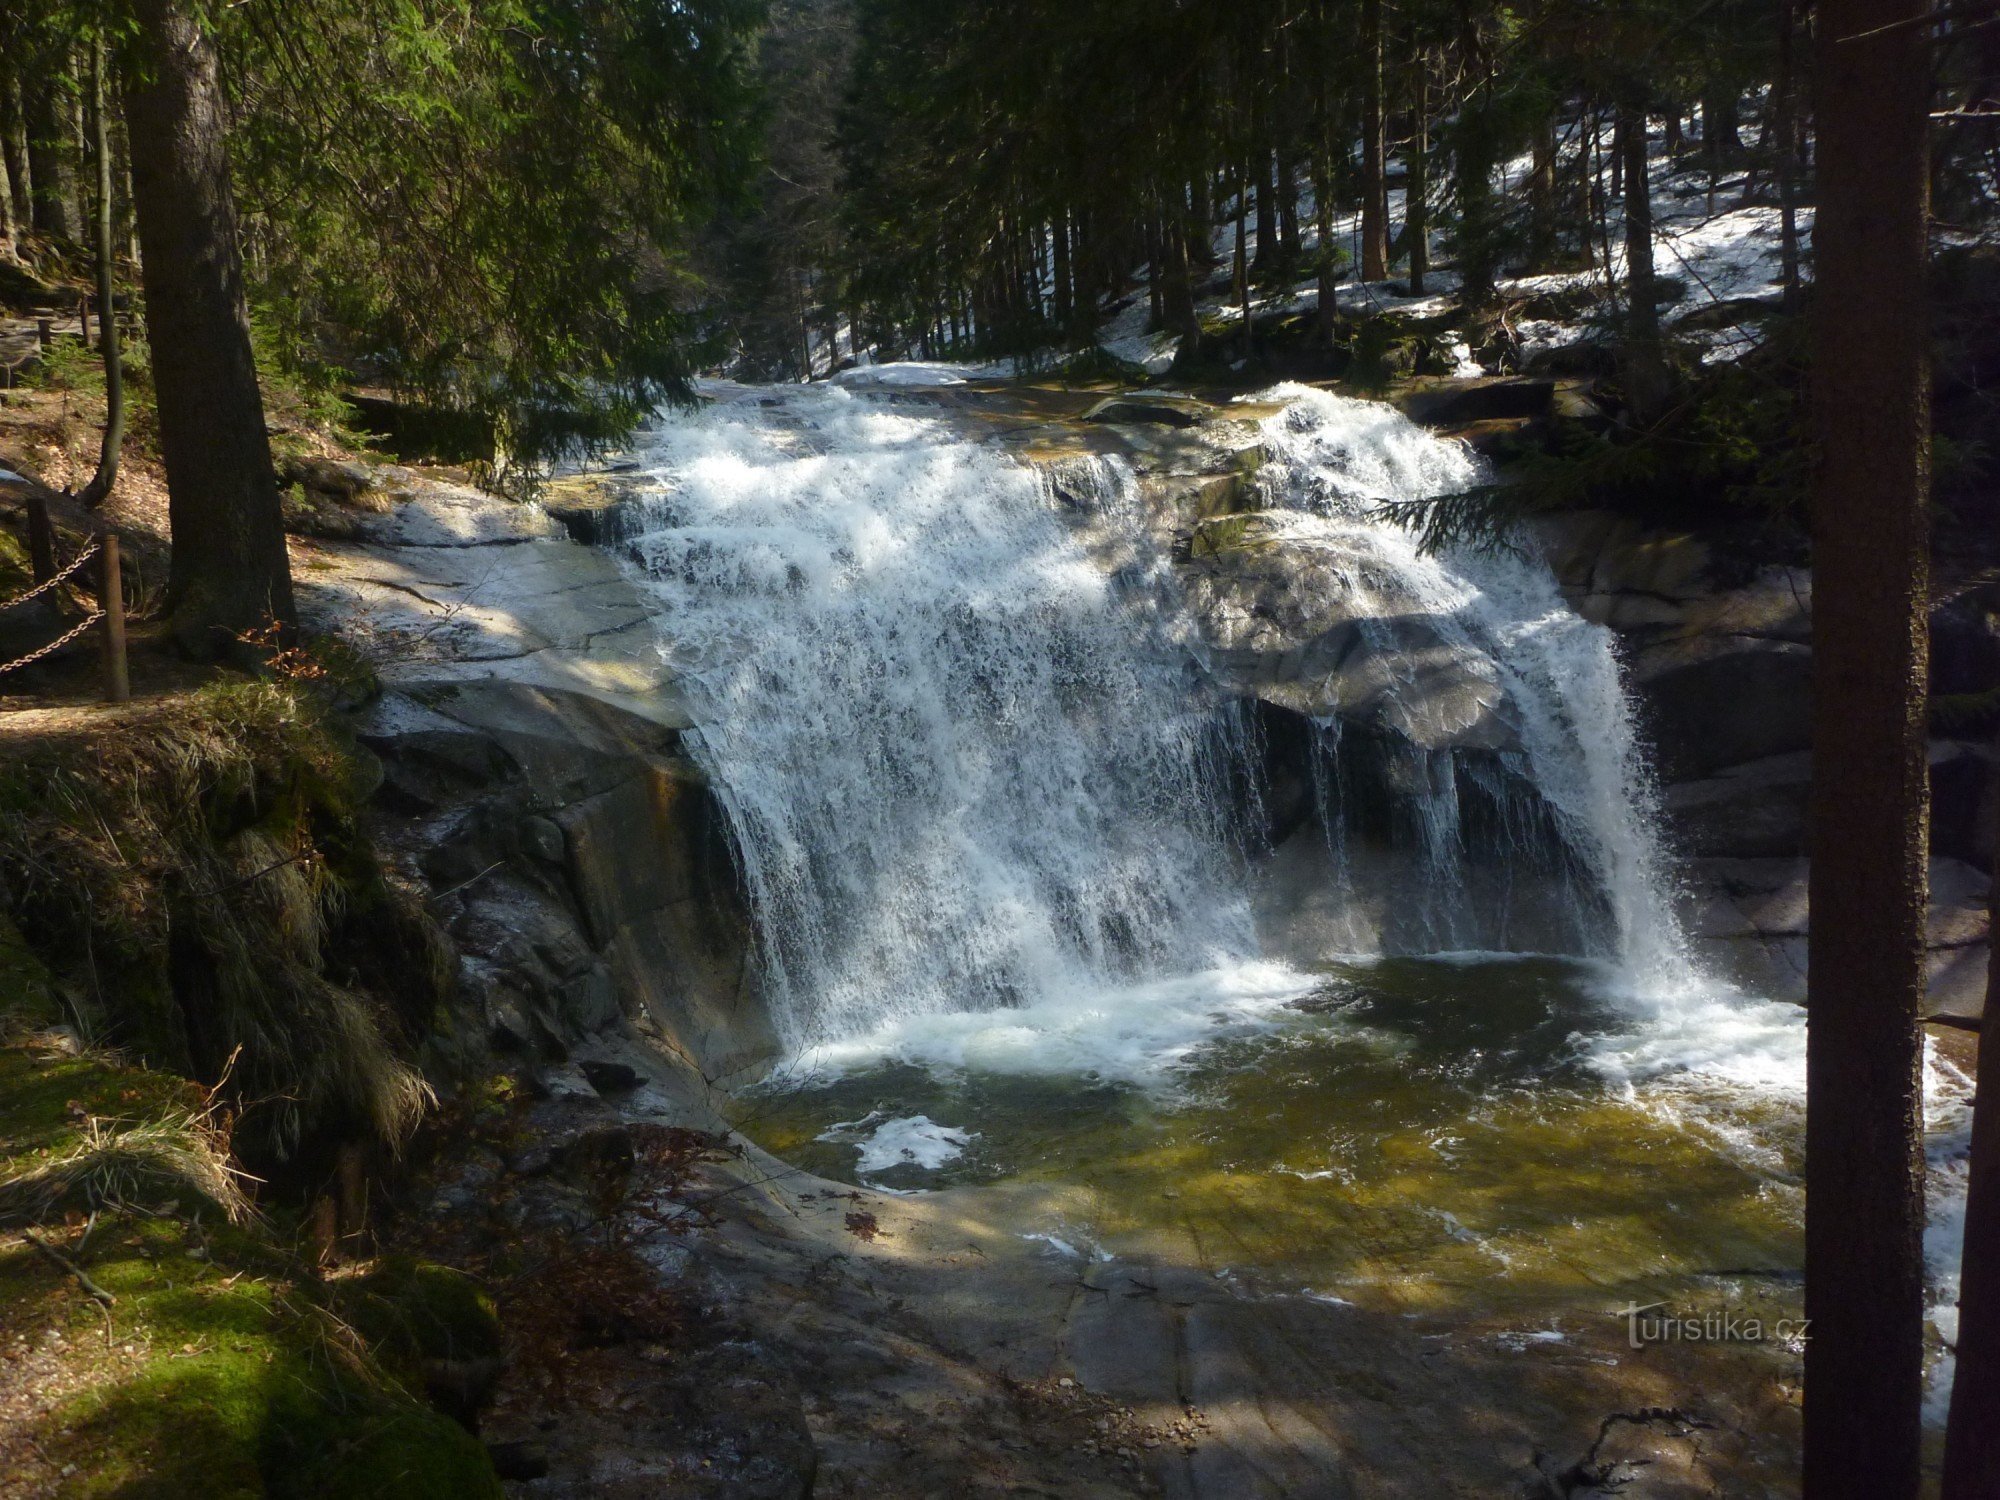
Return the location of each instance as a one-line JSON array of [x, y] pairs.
[[111, 599], [41, 540]]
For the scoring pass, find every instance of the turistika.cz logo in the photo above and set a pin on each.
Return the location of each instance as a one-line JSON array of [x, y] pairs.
[[1653, 1324]]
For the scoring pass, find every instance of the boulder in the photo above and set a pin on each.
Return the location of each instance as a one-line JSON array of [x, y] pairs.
[[1738, 700], [1307, 624], [1756, 810], [1133, 410], [1455, 402], [1748, 921], [335, 479], [1965, 800]]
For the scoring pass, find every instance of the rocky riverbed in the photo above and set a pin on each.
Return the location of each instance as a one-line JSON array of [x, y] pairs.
[[842, 1340]]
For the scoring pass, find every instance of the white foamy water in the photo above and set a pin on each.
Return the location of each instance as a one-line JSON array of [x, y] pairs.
[[1499, 622], [958, 781], [908, 1141], [975, 787]]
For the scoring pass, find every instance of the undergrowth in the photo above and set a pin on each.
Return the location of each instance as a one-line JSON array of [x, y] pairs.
[[161, 1341], [197, 880]]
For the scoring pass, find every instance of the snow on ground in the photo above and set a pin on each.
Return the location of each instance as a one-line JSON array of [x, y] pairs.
[[1717, 246]]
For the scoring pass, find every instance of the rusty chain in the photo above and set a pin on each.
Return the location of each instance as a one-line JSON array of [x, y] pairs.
[[63, 577], [55, 645]]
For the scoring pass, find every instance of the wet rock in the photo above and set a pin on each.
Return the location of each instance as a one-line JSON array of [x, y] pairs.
[[1756, 810], [611, 1077], [1132, 410], [1645, 1455], [1738, 699], [519, 1459]]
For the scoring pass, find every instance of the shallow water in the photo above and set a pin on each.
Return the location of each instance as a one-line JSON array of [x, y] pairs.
[[1408, 1133]]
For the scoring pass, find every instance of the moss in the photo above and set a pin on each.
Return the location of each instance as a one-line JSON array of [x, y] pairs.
[[416, 1311], [27, 989], [222, 1368]]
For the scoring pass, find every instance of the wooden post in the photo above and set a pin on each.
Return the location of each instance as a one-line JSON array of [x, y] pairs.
[[111, 599], [45, 333], [83, 319], [41, 540]]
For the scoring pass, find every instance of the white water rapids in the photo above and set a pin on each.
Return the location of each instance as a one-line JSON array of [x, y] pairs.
[[978, 785]]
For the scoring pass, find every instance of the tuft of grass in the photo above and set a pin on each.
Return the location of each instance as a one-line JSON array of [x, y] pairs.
[[197, 876], [113, 1164]]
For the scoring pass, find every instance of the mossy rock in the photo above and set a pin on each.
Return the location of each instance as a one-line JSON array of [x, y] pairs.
[[435, 1327], [1226, 535]]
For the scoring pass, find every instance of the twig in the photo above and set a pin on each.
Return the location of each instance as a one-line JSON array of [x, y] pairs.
[[103, 1298]]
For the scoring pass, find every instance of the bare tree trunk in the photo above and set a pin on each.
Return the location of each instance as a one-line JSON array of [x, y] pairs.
[[8, 233], [230, 574], [1416, 195], [1267, 213], [52, 178], [1242, 264], [99, 489], [1177, 231], [14, 147], [1542, 198], [1374, 151], [1329, 298], [1785, 121], [1972, 1436], [1646, 377], [1721, 140], [1864, 1096]]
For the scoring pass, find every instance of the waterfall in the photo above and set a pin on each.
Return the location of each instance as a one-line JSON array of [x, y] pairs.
[[981, 759], [1483, 679], [964, 773]]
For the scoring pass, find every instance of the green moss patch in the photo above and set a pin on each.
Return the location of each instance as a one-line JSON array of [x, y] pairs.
[[223, 1365]]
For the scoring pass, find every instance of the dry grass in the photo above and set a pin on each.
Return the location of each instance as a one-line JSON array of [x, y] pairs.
[[114, 1165], [196, 876]]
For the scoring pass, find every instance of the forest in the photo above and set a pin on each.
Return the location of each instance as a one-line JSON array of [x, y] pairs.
[[353, 325]]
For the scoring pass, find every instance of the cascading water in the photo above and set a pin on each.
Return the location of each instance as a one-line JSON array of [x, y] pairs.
[[1529, 690], [973, 734], [960, 778]]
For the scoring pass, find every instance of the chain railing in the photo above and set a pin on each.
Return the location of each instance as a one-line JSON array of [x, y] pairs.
[[110, 611]]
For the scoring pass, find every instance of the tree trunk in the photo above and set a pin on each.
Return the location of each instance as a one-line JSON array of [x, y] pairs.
[[1644, 363], [1721, 141], [1416, 205], [1784, 115], [1177, 296], [1374, 150], [98, 490], [8, 232], [1476, 219], [51, 172], [1242, 263], [1542, 198], [1329, 299], [1972, 1436], [230, 574], [14, 147], [1288, 209], [1267, 214], [1864, 1097]]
